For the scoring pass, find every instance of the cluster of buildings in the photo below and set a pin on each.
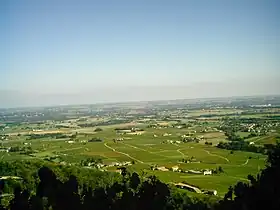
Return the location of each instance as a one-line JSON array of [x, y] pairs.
[[117, 164], [209, 130], [167, 134], [131, 131], [190, 138], [195, 189], [117, 139], [173, 142], [5, 149], [4, 138], [177, 169]]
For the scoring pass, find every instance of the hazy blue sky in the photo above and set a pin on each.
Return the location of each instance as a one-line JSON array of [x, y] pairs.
[[54, 52]]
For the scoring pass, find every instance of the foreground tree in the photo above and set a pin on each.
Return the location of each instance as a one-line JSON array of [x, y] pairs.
[[263, 192]]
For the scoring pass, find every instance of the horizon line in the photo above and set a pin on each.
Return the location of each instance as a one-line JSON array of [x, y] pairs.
[[140, 101]]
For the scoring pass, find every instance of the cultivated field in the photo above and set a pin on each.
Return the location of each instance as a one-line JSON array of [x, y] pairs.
[[174, 142], [146, 150]]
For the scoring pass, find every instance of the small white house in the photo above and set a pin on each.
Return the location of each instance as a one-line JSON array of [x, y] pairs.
[[4, 150], [193, 172], [207, 172], [70, 142], [113, 164], [162, 168], [175, 168], [118, 171], [211, 192], [251, 143], [127, 163], [100, 165]]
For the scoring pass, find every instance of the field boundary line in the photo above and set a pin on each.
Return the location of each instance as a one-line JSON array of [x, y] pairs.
[[69, 149], [134, 147], [162, 151], [209, 153], [114, 150], [262, 138], [178, 150], [246, 162]]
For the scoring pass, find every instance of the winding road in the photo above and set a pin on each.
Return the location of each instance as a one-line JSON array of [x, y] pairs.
[[197, 190], [246, 162], [178, 150], [135, 147], [129, 145], [209, 153], [114, 150]]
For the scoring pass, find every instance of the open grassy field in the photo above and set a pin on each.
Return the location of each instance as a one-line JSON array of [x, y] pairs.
[[153, 137], [220, 112], [268, 139], [146, 150]]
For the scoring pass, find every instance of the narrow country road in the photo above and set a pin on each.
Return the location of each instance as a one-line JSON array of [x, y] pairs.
[[6, 195], [134, 147], [10, 177], [69, 149], [114, 150], [209, 153], [179, 150], [2, 157], [197, 190], [246, 162]]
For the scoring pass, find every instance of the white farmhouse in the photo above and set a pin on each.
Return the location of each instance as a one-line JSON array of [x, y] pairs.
[[207, 172], [162, 168], [175, 168], [70, 142]]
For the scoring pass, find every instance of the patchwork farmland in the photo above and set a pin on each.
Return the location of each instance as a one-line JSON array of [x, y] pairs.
[[210, 149]]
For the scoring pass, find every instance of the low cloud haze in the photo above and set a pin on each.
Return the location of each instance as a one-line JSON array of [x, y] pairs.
[[134, 93]]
